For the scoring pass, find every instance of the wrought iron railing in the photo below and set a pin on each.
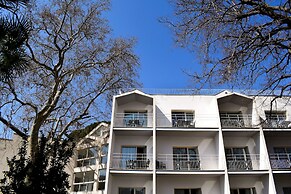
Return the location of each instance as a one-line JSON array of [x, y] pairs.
[[276, 123], [131, 161], [235, 121], [175, 121], [133, 120], [186, 121], [280, 161], [184, 162], [243, 162]]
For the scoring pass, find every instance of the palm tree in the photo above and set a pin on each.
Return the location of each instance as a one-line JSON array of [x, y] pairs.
[[14, 30]]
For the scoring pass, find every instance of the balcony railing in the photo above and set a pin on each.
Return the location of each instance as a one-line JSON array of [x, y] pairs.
[[130, 161], [184, 162], [243, 162], [176, 120], [276, 124], [235, 121], [280, 161], [136, 120]]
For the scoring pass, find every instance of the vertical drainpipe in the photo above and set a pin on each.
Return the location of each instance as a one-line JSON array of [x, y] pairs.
[[154, 147], [109, 155]]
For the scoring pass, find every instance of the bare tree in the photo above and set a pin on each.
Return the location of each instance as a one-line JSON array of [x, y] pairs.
[[242, 42], [75, 64]]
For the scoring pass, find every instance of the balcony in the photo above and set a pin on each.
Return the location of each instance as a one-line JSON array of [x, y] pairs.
[[235, 121], [176, 120], [133, 120], [280, 161], [243, 162], [129, 161], [182, 162], [276, 124]]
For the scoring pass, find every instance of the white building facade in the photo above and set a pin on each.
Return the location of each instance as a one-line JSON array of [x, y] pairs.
[[227, 143]]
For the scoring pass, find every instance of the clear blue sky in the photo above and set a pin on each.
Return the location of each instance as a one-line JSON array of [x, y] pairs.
[[162, 62]]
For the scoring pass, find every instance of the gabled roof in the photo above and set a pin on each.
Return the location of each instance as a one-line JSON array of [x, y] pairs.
[[135, 95], [237, 98], [225, 93], [89, 135]]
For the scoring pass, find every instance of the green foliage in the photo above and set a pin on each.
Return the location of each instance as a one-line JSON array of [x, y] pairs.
[[46, 175], [14, 32]]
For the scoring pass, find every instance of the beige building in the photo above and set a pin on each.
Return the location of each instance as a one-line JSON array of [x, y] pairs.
[[87, 168], [8, 149]]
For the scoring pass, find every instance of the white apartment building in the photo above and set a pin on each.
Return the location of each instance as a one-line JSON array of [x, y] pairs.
[[227, 143]]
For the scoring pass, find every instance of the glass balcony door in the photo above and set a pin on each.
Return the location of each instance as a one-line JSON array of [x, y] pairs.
[[281, 159], [276, 119], [186, 158], [238, 159], [243, 191], [135, 119], [187, 191], [134, 157], [131, 190], [182, 119]]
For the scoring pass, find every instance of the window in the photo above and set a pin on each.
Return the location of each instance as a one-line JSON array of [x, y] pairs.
[[275, 116], [131, 190], [102, 174], [87, 157], [238, 159], [286, 190], [281, 159], [101, 185], [182, 119], [135, 119], [283, 153], [104, 149], [84, 181], [276, 119], [243, 191], [187, 191], [101, 179], [186, 158], [134, 157], [104, 152]]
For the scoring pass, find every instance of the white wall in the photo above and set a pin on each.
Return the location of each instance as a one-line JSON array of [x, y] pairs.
[[207, 149], [134, 106], [208, 184], [263, 104], [128, 180], [133, 141], [277, 141], [204, 107], [249, 181], [241, 141]]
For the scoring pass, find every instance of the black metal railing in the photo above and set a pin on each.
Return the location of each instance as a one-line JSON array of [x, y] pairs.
[[280, 161], [228, 120]]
